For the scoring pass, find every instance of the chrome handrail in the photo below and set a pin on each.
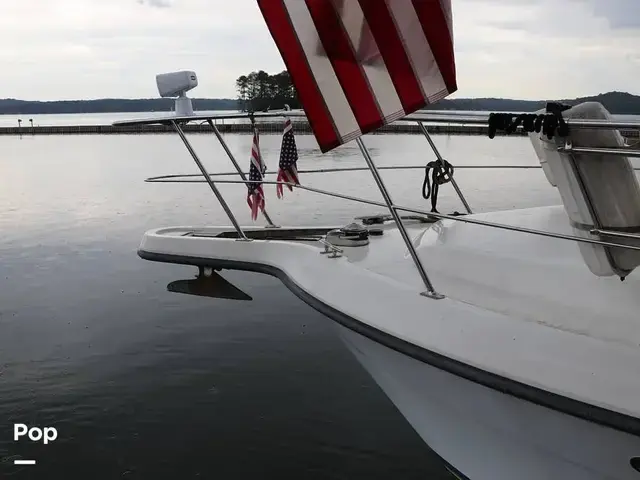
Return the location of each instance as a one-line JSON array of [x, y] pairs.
[[611, 233], [211, 183], [166, 178], [426, 116], [420, 118], [620, 152], [202, 116], [439, 216], [483, 120]]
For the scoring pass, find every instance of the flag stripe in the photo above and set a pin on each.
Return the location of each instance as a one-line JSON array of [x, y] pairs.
[[289, 178], [418, 50], [439, 37], [446, 9], [395, 57], [377, 75], [255, 193], [256, 158], [288, 159], [327, 81], [284, 35], [338, 48]]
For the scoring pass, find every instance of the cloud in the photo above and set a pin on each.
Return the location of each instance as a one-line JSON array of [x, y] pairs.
[[507, 48], [621, 14], [542, 49], [157, 3], [93, 48]]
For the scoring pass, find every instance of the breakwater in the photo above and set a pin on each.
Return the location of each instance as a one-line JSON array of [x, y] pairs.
[[264, 127]]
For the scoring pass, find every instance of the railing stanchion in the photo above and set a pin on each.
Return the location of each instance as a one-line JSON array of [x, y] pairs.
[[215, 190], [237, 166], [425, 132], [431, 293]]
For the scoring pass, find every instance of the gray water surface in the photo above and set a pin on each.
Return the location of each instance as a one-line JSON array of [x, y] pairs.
[[145, 384]]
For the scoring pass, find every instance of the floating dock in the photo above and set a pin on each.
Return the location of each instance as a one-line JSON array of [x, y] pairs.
[[264, 127]]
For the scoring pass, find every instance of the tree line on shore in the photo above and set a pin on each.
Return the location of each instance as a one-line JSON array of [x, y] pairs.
[[11, 106], [260, 91]]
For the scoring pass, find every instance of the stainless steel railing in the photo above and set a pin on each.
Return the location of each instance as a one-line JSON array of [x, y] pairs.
[[393, 209], [420, 118], [166, 178], [419, 211], [425, 116]]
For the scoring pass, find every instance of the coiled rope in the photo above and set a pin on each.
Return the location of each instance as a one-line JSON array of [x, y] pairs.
[[441, 173]]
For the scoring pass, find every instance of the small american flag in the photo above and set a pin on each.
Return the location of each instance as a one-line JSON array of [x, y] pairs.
[[255, 195], [287, 171]]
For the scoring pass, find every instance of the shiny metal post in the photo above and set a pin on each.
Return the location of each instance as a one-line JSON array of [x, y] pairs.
[[425, 132], [431, 293], [215, 190], [620, 152], [237, 166], [439, 216]]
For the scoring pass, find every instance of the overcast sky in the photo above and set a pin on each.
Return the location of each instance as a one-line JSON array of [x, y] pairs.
[[80, 49]]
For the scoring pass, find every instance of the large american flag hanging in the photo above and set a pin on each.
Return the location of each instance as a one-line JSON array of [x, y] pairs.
[[287, 169], [360, 64], [257, 169]]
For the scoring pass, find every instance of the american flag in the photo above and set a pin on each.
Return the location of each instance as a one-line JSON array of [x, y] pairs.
[[288, 171], [255, 195], [366, 51], [360, 64]]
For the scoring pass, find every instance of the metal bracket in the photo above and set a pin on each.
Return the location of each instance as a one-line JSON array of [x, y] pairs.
[[331, 250], [613, 233], [568, 146], [433, 295]]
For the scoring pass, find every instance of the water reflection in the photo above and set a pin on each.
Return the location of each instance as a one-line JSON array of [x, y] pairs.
[[142, 382], [208, 284]]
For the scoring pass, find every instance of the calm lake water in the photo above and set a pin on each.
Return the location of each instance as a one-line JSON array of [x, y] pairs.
[[79, 119], [141, 383]]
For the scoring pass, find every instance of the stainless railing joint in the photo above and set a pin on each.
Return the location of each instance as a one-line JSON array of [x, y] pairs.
[[330, 250], [433, 295]]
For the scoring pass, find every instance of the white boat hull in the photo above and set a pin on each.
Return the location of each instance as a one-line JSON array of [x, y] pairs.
[[520, 360], [488, 435], [501, 378]]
